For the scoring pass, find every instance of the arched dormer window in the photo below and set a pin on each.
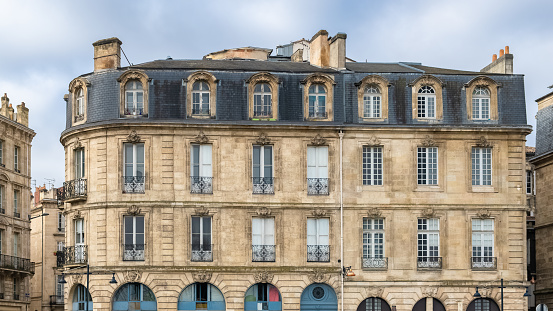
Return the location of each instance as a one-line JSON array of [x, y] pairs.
[[263, 96], [426, 96], [318, 97], [372, 102], [79, 91], [426, 103], [481, 104], [317, 102], [200, 98], [134, 89], [262, 101], [481, 95], [134, 98], [201, 95], [372, 98]]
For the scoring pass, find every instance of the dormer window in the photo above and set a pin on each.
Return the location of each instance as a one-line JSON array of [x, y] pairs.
[[318, 93], [426, 102], [481, 104], [134, 98], [426, 98], [134, 88], [262, 101], [200, 98], [79, 90], [372, 102], [317, 101], [79, 113]]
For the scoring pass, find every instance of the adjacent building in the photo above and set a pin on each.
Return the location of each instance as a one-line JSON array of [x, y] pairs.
[[241, 182], [16, 269]]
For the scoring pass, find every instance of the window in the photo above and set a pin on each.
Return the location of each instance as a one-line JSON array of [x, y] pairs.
[[262, 104], [201, 296], [529, 182], [317, 101], [263, 239], [481, 159], [374, 304], [201, 180], [372, 166], [318, 248], [426, 102], [2, 153], [373, 244], [134, 88], [262, 296], [200, 98], [79, 113], [79, 90], [134, 98], [262, 170], [2, 193], [80, 247], [483, 244], [61, 245], [61, 222], [79, 163], [15, 244], [371, 102], [59, 290], [16, 159], [134, 175], [134, 238], [427, 165], [1, 239], [16, 289], [80, 298], [317, 170], [201, 239], [428, 243], [16, 212], [481, 103]]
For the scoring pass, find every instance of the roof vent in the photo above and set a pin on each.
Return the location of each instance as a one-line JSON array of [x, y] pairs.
[[169, 58]]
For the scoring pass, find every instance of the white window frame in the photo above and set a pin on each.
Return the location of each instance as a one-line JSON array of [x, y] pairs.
[[16, 158], [198, 98], [265, 170], [529, 182], [204, 161], [317, 101], [481, 166], [318, 231], [428, 238], [61, 246], [16, 195], [372, 167], [60, 288], [481, 103], [79, 163], [138, 168], [262, 99], [61, 222], [317, 161], [80, 102], [135, 93], [201, 232], [483, 238], [16, 236], [426, 102], [372, 102], [373, 238], [134, 235], [265, 236], [427, 166]]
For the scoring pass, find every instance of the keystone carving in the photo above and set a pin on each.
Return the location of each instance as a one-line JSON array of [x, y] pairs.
[[77, 215], [373, 141], [201, 277], [201, 211], [263, 212], [429, 212], [318, 212], [428, 142], [318, 277], [133, 276], [486, 290], [263, 277], [77, 279], [201, 138], [430, 291], [483, 214], [483, 142], [133, 137], [375, 291], [77, 143], [374, 213], [262, 139], [133, 210], [318, 140]]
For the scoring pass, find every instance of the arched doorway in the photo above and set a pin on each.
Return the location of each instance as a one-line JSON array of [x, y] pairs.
[[262, 296], [319, 297], [483, 304], [436, 305], [201, 296], [374, 304], [134, 297], [80, 298]]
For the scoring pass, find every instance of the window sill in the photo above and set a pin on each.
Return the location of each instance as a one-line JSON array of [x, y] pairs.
[[132, 116], [370, 120], [429, 188], [198, 116], [262, 119], [375, 188], [485, 189]]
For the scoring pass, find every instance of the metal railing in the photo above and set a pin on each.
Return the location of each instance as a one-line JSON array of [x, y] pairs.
[[263, 252], [199, 184], [483, 263], [318, 253], [56, 300], [263, 185], [73, 189], [134, 184], [200, 111], [3, 211], [133, 252], [317, 186], [202, 252], [430, 263], [60, 195], [15, 296], [134, 111], [79, 117], [16, 263], [375, 263], [265, 112], [16, 215], [75, 254], [60, 259], [318, 114]]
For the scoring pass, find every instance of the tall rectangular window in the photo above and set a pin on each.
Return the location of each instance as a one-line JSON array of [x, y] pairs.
[[201, 238], [529, 182], [1, 240], [16, 204], [372, 166], [263, 239], [318, 248], [317, 170], [15, 244], [201, 179], [61, 222], [1, 152], [481, 159], [80, 247], [373, 244], [133, 170], [2, 194], [427, 165], [59, 289], [79, 163], [134, 238], [16, 159], [482, 242], [262, 169], [428, 243]]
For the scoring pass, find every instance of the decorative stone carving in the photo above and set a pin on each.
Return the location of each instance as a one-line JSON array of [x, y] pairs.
[[483, 142], [427, 80], [77, 215], [430, 291], [133, 137], [318, 212], [375, 291], [133, 210], [201, 211], [374, 213], [79, 82], [133, 276], [4, 221], [318, 140], [428, 142], [372, 80], [262, 139], [77, 279], [77, 144], [318, 78], [486, 290], [201, 138], [318, 277], [483, 214], [201, 76], [263, 277], [201, 277], [373, 141], [263, 212], [262, 77], [428, 212]]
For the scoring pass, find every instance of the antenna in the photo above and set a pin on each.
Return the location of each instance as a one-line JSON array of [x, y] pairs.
[[33, 184], [50, 182]]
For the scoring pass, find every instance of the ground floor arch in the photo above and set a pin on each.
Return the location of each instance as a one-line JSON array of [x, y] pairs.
[[374, 304], [423, 305], [319, 297], [483, 304], [134, 297], [201, 296], [262, 296], [80, 298]]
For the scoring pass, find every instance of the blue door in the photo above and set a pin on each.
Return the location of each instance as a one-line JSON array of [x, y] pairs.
[[319, 297], [201, 296], [134, 297]]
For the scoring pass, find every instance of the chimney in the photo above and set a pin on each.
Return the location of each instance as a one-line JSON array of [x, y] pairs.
[[107, 54], [5, 103], [23, 114], [297, 57], [503, 64], [319, 50], [338, 51], [10, 112]]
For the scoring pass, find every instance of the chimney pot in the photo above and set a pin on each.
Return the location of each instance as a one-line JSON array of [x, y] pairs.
[[506, 49], [501, 53], [494, 57]]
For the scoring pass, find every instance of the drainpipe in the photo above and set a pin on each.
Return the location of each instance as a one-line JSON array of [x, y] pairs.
[[341, 134]]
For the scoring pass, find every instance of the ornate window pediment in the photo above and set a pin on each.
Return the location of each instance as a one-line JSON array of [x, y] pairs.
[[426, 98], [263, 96], [372, 98]]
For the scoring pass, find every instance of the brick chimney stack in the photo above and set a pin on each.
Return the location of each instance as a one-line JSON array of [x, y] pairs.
[[107, 54]]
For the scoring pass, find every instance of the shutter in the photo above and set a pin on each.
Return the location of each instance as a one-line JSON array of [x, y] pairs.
[[139, 230], [311, 162], [205, 160], [269, 234], [322, 162], [323, 231], [268, 161], [195, 161], [196, 232], [257, 227], [139, 159], [129, 230], [206, 238], [311, 231], [256, 161], [128, 160]]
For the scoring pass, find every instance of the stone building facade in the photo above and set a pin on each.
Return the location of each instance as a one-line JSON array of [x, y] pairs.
[[16, 269], [279, 185]]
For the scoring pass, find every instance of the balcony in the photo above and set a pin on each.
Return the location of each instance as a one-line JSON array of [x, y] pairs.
[[318, 253], [60, 259], [17, 263], [262, 112], [74, 190], [197, 111], [133, 252], [202, 252], [75, 255], [60, 195], [429, 263], [15, 296], [263, 185], [317, 186], [134, 184], [263, 253], [483, 263], [134, 112], [202, 185], [56, 300], [317, 115], [374, 263]]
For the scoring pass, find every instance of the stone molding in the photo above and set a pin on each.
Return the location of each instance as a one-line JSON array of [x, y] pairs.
[[484, 143], [374, 141], [201, 138], [318, 277], [318, 212], [262, 139], [201, 211], [263, 277], [428, 142], [77, 215], [133, 276], [318, 140], [77, 144], [201, 277], [430, 291], [374, 213], [263, 212], [483, 214], [428, 212], [133, 137], [133, 210]]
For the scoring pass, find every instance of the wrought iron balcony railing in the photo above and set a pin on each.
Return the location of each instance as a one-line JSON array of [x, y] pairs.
[[134, 111], [74, 189], [60, 259], [134, 184], [16, 215], [77, 254], [318, 253], [16, 263], [56, 300], [15, 296], [202, 252], [429, 263], [317, 186], [133, 252], [375, 263], [483, 263], [60, 195], [197, 111], [318, 115], [263, 252], [199, 184], [265, 112], [263, 185]]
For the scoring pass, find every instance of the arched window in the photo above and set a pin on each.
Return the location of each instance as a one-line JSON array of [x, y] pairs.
[[134, 296], [262, 104], [80, 297], [481, 103], [200, 98], [436, 305], [483, 304], [372, 102], [317, 101], [374, 304], [201, 296], [79, 114], [134, 98], [262, 296], [319, 297], [426, 102]]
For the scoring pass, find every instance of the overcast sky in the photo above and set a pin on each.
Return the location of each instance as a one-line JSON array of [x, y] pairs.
[[45, 44]]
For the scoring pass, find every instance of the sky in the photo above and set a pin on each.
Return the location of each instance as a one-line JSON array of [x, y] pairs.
[[46, 44]]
